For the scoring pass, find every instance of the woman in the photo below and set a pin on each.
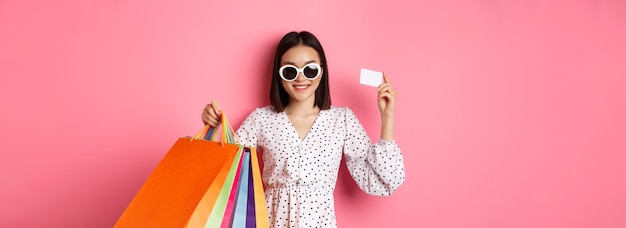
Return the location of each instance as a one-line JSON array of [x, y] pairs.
[[303, 138]]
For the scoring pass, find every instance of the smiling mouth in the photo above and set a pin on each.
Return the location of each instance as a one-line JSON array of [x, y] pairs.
[[301, 86]]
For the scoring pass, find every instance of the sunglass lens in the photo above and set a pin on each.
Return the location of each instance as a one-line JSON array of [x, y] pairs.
[[311, 71], [290, 73]]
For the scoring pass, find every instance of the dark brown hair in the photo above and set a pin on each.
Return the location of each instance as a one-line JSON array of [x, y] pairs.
[[278, 96]]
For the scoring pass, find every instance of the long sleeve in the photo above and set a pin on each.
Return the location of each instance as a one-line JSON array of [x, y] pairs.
[[378, 169]]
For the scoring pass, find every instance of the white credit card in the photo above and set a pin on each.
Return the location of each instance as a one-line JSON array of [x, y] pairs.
[[371, 78]]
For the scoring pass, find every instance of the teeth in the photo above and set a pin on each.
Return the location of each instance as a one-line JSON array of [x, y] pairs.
[[301, 87]]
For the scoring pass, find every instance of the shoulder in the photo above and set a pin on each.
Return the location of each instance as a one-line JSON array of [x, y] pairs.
[[263, 111], [340, 111], [343, 109]]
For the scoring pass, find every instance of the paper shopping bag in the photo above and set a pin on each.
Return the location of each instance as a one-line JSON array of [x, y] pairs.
[[206, 205], [173, 190], [222, 209], [242, 203], [261, 217], [240, 210]]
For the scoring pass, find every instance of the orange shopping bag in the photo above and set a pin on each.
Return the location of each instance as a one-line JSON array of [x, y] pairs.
[[238, 201], [183, 178]]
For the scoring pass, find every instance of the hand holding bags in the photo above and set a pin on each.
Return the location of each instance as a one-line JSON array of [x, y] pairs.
[[200, 183]]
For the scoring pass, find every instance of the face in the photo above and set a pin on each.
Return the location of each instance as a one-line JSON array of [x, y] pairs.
[[301, 89]]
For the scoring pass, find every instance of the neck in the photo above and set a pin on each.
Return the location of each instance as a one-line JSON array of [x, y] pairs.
[[302, 107]]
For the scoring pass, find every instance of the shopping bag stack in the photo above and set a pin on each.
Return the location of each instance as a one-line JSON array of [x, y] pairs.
[[202, 183]]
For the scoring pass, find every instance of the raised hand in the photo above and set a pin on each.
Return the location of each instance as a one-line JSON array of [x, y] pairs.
[[386, 99]]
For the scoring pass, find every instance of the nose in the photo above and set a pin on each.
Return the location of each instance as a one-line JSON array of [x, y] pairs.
[[300, 77]]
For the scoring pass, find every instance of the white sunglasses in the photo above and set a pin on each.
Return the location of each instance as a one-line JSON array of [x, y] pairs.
[[290, 72]]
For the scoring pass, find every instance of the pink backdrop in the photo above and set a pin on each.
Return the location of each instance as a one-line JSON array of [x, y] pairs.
[[510, 113]]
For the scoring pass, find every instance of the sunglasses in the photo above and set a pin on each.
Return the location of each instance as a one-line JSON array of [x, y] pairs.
[[290, 72]]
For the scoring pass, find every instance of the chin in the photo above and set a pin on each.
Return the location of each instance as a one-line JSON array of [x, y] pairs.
[[301, 97]]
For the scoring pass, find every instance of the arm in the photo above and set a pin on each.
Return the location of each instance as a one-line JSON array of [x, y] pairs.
[[378, 169], [386, 105]]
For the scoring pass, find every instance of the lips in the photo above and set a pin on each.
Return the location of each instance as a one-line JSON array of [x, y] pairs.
[[301, 87]]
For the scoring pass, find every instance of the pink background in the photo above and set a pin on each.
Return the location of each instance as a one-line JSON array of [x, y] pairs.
[[510, 113]]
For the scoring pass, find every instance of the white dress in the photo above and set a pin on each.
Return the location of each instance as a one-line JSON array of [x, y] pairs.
[[300, 175]]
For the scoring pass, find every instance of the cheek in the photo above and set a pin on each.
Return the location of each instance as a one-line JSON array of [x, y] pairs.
[[317, 83], [287, 86]]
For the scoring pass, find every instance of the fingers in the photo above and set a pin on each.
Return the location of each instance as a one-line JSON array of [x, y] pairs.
[[386, 101], [385, 90], [385, 87], [386, 98], [216, 107], [212, 114], [207, 116], [391, 96], [385, 79]]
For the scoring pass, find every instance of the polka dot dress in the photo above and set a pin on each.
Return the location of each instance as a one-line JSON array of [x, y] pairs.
[[300, 175]]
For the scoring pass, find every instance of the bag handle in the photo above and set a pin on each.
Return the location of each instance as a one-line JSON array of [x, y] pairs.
[[228, 134]]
